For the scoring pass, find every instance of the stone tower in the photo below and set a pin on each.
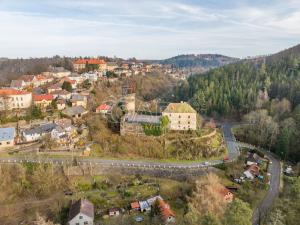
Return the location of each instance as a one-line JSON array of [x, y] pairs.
[[128, 96]]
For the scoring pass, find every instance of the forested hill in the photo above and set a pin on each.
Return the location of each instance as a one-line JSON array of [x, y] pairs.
[[206, 61], [264, 92], [12, 68], [294, 51], [235, 88]]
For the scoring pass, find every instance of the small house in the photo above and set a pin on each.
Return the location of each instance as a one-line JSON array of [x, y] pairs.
[[144, 206], [75, 112], [103, 109], [7, 137], [135, 206], [81, 213], [167, 214], [114, 212]]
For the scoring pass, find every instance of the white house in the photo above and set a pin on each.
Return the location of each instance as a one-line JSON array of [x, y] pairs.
[[81, 213], [36, 133], [14, 99]]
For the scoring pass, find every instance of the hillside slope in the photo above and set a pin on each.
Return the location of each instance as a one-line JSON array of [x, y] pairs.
[[205, 61]]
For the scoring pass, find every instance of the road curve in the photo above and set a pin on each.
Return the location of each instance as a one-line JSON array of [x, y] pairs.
[[266, 204]]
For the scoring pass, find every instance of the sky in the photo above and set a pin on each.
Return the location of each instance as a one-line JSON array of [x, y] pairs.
[[147, 29]]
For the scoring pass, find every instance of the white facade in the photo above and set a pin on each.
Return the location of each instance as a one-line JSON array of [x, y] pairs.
[[81, 219], [14, 100]]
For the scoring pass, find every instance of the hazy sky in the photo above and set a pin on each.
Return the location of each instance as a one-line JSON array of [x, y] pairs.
[[149, 29]]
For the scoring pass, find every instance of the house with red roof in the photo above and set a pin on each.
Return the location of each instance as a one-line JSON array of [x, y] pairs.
[[43, 101], [80, 64], [103, 109], [167, 214], [14, 99], [226, 194]]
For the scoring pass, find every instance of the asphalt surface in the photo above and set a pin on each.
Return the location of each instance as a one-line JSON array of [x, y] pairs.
[[266, 204]]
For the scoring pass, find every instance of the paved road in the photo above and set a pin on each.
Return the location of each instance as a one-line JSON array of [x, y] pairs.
[[273, 192]]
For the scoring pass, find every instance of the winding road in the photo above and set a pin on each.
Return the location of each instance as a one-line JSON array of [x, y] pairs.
[[233, 153]]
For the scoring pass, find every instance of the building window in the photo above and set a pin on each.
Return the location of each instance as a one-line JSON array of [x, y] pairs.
[[77, 224], [86, 222], [189, 122], [189, 116], [0, 143], [179, 122], [8, 142], [21, 98], [80, 217], [179, 116]]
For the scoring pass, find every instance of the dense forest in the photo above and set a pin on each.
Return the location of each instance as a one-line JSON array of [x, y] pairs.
[[264, 92], [205, 61]]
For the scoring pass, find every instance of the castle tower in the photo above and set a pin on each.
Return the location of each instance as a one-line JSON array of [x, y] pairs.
[[128, 96]]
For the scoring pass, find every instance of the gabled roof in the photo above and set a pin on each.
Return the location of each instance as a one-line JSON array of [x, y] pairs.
[[46, 97], [7, 134], [103, 107], [12, 92], [135, 205], [72, 111], [81, 206], [165, 210], [182, 107], [42, 129]]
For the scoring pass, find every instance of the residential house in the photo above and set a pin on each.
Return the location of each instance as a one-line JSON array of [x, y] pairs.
[[77, 77], [135, 206], [114, 212], [182, 116], [59, 72], [42, 80], [61, 103], [62, 94], [167, 214], [81, 213], [29, 80], [36, 133], [133, 123], [43, 101], [80, 64], [17, 84], [54, 87], [152, 200], [103, 109], [14, 99], [91, 76], [254, 169], [78, 100], [226, 194], [144, 206], [75, 112], [7, 137], [57, 132]]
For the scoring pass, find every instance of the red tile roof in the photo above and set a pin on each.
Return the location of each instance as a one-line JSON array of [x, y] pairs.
[[12, 92], [47, 97], [135, 205], [89, 61], [103, 107], [165, 210]]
